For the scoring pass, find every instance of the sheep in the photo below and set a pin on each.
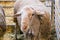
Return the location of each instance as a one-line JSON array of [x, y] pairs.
[[24, 12], [2, 20]]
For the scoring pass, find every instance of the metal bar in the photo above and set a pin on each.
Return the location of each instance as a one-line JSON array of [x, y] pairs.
[[53, 13], [53, 19]]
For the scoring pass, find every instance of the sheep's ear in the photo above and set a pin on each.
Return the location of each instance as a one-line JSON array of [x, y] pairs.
[[17, 14], [40, 12]]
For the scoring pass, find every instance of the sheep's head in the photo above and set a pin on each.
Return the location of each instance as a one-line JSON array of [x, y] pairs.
[[26, 16]]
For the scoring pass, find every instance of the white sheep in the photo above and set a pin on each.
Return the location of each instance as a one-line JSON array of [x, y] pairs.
[[26, 9]]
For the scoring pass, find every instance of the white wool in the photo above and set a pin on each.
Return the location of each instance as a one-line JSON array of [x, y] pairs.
[[1, 10], [36, 4], [22, 3]]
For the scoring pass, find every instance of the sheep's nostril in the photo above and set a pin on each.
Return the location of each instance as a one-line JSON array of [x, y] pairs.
[[25, 27]]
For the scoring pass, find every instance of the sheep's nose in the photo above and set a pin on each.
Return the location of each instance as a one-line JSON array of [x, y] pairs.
[[24, 27]]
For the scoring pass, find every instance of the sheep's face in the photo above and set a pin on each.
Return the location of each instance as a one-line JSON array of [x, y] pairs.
[[26, 17]]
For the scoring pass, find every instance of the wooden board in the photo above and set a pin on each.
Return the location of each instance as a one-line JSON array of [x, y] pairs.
[[9, 10], [7, 0]]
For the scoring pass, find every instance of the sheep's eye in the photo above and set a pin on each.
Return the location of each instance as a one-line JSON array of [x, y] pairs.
[[32, 14]]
